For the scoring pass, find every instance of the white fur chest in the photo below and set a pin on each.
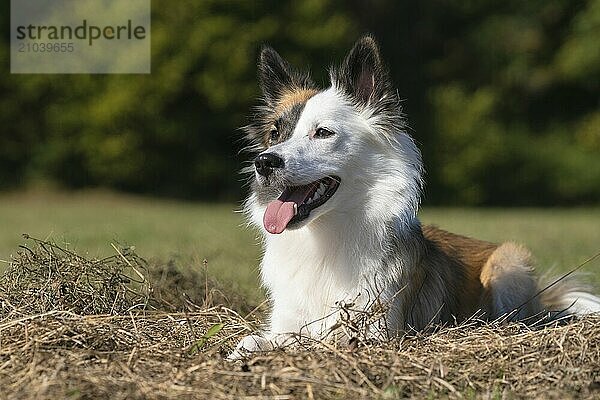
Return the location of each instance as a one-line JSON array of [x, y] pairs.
[[305, 276]]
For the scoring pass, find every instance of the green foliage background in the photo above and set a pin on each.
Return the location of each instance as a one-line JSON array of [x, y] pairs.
[[503, 98]]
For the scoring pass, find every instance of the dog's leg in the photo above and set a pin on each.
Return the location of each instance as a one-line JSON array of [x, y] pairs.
[[250, 344], [282, 320], [508, 279], [261, 343]]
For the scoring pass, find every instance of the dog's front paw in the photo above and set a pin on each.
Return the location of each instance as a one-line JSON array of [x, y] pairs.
[[248, 345]]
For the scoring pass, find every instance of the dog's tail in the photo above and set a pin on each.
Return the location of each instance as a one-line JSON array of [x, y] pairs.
[[568, 296]]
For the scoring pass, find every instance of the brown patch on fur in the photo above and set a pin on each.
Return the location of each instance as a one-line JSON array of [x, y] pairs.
[[283, 113], [467, 256], [292, 97]]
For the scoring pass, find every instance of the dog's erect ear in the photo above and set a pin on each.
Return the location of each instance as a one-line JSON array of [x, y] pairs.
[[276, 75], [362, 75]]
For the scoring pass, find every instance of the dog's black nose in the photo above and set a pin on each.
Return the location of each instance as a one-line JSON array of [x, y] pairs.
[[265, 163]]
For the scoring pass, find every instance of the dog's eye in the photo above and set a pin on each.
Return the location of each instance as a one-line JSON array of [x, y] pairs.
[[321, 133], [273, 135]]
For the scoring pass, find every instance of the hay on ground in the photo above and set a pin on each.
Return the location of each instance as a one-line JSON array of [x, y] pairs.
[[130, 345]]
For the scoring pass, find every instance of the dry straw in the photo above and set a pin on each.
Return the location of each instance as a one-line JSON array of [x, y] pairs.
[[71, 327]]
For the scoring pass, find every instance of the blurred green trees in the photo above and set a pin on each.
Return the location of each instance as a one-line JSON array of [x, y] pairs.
[[503, 97]]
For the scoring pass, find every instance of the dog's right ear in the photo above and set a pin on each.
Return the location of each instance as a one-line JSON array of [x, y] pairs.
[[276, 75]]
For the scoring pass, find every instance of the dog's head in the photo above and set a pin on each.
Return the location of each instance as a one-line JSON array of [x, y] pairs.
[[338, 150]]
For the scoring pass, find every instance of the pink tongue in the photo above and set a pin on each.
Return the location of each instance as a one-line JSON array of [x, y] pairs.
[[278, 215], [281, 211]]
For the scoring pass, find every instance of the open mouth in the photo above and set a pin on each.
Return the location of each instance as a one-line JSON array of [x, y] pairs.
[[296, 203]]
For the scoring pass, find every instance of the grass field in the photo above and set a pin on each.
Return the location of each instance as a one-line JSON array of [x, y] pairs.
[[75, 328], [189, 233]]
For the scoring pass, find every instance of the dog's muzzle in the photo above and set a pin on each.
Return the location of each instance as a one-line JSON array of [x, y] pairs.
[[265, 163]]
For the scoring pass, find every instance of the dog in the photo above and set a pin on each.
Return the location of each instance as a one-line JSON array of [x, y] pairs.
[[335, 191]]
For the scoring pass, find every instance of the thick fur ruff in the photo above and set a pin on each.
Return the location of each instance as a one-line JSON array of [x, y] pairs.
[[364, 243]]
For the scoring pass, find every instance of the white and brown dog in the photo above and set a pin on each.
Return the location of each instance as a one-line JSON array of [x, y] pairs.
[[335, 193]]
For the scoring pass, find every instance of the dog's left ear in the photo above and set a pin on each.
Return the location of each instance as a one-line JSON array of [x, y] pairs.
[[362, 75]]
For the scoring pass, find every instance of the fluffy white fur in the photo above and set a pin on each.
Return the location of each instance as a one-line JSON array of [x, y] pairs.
[[339, 253]]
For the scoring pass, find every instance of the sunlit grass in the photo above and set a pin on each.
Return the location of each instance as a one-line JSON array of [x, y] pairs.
[[160, 230]]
